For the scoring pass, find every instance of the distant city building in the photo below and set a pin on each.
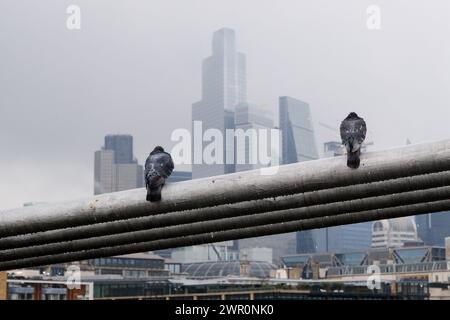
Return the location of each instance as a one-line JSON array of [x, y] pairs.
[[223, 87], [420, 265], [178, 176], [115, 168], [433, 228], [333, 149], [447, 248], [122, 144], [297, 131], [299, 144], [44, 289], [251, 119], [3, 285], [257, 254], [221, 251], [349, 237], [257, 269], [136, 265], [392, 233]]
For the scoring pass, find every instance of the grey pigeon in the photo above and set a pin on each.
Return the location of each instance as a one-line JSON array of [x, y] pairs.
[[158, 167], [353, 133]]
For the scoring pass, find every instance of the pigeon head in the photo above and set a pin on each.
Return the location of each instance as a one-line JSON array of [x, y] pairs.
[[158, 149], [352, 115]]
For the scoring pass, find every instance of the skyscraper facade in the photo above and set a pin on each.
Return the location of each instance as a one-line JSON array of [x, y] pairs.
[[348, 237], [433, 228], [122, 144], [250, 119], [223, 87], [297, 131], [299, 144], [115, 168]]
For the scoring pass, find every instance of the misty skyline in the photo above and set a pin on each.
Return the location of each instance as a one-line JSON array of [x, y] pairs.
[[136, 68]]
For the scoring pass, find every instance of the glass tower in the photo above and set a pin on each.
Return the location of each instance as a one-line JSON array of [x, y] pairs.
[[433, 228], [115, 168], [223, 87], [122, 144]]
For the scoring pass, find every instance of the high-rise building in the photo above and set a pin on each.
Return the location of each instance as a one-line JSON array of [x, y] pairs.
[[349, 237], [299, 144], [122, 144], [392, 233], [250, 119], [223, 87], [115, 168], [433, 228], [297, 132]]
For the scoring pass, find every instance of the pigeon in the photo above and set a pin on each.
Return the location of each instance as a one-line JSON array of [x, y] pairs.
[[158, 167], [353, 133]]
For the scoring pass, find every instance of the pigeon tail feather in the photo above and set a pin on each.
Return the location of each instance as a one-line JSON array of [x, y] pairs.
[[154, 195], [353, 159]]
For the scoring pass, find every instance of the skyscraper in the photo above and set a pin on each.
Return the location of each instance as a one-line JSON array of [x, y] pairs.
[[433, 228], [348, 237], [299, 144], [297, 132], [115, 168], [250, 119], [223, 87], [122, 144]]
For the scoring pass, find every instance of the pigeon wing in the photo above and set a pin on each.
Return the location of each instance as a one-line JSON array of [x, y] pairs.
[[163, 164], [345, 134], [359, 133]]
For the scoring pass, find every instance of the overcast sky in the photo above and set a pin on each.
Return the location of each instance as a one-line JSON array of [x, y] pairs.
[[135, 67]]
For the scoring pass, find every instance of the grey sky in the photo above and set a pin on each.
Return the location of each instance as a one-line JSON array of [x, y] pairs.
[[134, 67]]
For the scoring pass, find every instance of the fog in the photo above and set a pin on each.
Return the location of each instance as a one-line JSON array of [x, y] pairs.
[[135, 67]]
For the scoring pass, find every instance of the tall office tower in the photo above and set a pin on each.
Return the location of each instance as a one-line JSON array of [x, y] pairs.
[[297, 132], [299, 144], [122, 144], [433, 228], [223, 87], [115, 168], [349, 237], [249, 120]]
